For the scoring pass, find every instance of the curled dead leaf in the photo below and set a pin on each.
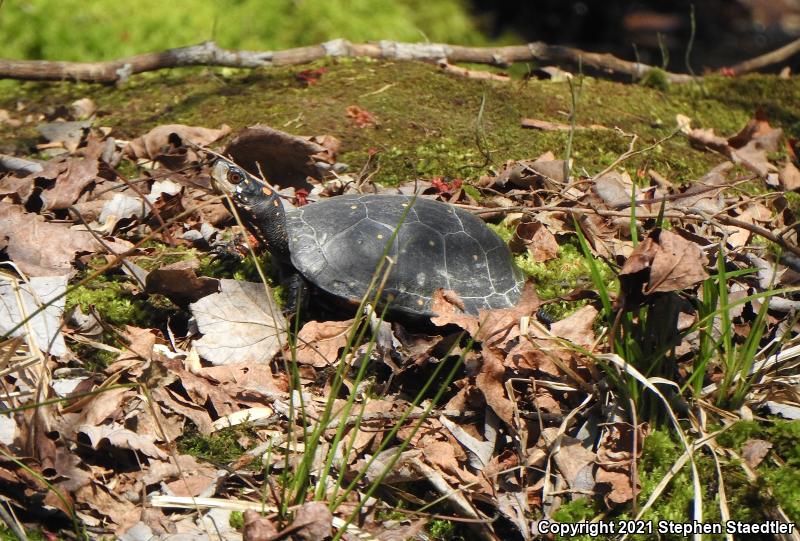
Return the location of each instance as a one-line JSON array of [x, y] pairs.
[[179, 283], [284, 159], [491, 382], [662, 262], [157, 141]]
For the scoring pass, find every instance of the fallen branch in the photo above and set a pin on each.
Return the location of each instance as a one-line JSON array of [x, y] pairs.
[[768, 59], [209, 54]]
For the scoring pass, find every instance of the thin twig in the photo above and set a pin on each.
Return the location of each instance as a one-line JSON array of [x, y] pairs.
[[768, 59]]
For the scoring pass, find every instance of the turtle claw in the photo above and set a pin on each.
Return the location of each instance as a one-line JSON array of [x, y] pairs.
[[229, 251]]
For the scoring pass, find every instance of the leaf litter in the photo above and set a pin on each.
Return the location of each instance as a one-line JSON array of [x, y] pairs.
[[521, 429]]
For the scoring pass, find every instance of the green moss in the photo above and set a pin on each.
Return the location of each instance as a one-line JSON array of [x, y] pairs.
[[443, 530], [580, 509], [784, 481], [561, 275], [160, 255], [660, 452], [221, 447], [236, 520], [95, 359], [113, 299], [558, 276], [109, 298], [656, 78], [746, 501]]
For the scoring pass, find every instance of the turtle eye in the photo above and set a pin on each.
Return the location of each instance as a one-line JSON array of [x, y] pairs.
[[235, 177]]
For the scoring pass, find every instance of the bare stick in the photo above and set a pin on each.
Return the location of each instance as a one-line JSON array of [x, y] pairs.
[[768, 59], [209, 54]]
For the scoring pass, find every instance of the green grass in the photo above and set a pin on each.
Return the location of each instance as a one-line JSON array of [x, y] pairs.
[[47, 28]]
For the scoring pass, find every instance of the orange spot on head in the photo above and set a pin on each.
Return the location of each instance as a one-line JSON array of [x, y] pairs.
[[266, 191], [275, 203]]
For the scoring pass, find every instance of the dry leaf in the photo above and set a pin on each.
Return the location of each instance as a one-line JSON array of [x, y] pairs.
[[614, 459], [258, 528], [240, 324], [19, 301], [615, 189], [284, 159], [662, 262], [578, 327], [179, 282], [198, 483], [153, 144], [576, 463], [319, 342], [40, 248], [537, 239], [118, 436], [313, 521], [677, 265], [67, 133], [361, 117], [119, 510], [83, 108], [754, 451], [490, 381], [789, 176]]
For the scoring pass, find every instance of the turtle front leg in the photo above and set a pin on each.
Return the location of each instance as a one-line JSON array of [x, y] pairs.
[[297, 294]]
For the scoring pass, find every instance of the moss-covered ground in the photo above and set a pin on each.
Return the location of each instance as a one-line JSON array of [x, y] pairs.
[[428, 122], [778, 481]]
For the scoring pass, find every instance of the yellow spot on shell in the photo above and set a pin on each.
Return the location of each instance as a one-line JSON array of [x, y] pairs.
[[380, 236], [353, 207], [431, 243], [420, 302], [275, 203], [475, 257]]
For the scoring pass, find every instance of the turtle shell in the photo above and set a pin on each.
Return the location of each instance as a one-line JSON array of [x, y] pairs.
[[338, 243]]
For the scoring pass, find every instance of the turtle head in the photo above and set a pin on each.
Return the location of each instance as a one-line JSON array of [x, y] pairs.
[[244, 189], [258, 204]]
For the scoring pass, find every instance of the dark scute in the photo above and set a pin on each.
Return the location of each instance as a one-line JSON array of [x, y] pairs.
[[467, 266], [353, 256], [390, 209], [325, 219], [421, 266], [499, 264], [475, 228], [441, 217]]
